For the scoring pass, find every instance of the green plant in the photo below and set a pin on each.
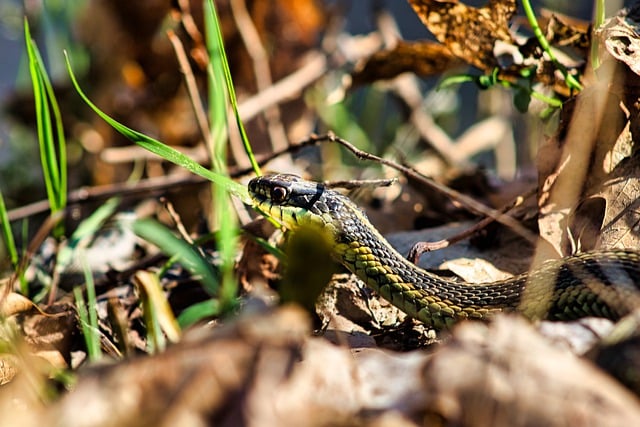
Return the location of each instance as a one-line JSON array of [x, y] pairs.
[[51, 137]]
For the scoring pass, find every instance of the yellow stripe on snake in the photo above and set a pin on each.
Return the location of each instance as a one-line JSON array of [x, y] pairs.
[[601, 284]]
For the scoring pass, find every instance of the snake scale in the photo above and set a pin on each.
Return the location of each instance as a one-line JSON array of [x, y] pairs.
[[601, 284]]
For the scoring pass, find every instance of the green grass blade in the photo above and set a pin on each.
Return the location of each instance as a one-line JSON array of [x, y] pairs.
[[161, 149], [215, 32], [163, 238], [60, 157], [43, 123], [92, 309], [224, 214], [54, 160], [88, 315], [197, 312], [217, 93], [8, 234]]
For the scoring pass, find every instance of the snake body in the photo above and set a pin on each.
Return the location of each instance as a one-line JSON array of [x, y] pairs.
[[602, 284]]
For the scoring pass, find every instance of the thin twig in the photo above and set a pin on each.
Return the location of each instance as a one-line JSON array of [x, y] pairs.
[[359, 183], [421, 247], [192, 89], [182, 230], [162, 183], [469, 203], [188, 22], [102, 192]]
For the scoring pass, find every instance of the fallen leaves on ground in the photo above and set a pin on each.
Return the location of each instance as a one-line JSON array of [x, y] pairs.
[[266, 370]]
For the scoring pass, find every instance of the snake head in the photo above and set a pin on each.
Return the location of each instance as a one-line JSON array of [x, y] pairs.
[[296, 202]]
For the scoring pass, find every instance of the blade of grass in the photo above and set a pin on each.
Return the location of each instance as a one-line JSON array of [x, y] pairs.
[[60, 159], [8, 234], [53, 160], [197, 312], [10, 244], [215, 31], [162, 150], [163, 238], [224, 215], [92, 309], [88, 314], [217, 92]]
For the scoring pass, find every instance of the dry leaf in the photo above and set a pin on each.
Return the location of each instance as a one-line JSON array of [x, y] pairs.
[[266, 371], [577, 158], [622, 38], [8, 368], [153, 297], [51, 334], [422, 58], [505, 374], [470, 33], [567, 32], [14, 304], [621, 215]]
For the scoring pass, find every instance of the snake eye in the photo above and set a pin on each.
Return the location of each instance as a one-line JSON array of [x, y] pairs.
[[278, 194]]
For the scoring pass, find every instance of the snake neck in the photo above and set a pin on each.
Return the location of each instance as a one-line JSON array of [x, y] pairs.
[[424, 295]]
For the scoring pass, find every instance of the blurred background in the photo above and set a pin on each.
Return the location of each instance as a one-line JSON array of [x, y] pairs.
[[125, 62]]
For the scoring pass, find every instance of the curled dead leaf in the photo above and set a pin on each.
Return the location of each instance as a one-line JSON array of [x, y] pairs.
[[13, 304]]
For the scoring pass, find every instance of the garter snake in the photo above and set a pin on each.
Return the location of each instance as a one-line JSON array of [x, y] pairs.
[[601, 284]]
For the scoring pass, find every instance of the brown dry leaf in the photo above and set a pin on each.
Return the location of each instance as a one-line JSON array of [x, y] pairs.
[[565, 31], [257, 268], [51, 334], [422, 58], [505, 374], [8, 368], [265, 370], [35, 342], [13, 304], [579, 156], [470, 33], [348, 302], [207, 379], [621, 207], [475, 270], [622, 37]]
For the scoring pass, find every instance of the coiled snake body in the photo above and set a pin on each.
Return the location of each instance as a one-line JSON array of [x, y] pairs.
[[602, 284]]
